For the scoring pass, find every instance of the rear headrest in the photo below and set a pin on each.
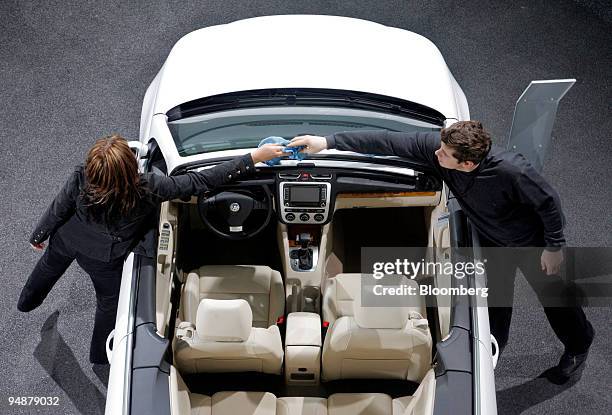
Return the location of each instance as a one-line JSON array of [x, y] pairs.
[[224, 320], [381, 317]]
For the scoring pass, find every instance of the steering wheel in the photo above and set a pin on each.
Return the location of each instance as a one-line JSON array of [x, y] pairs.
[[233, 209]]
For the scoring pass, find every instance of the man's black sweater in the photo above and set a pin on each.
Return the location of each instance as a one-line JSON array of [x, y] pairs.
[[505, 198]]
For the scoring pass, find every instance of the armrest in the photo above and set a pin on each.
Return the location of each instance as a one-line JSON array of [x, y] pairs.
[[303, 329]]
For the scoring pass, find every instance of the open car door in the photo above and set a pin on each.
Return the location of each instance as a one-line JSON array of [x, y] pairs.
[[534, 116]]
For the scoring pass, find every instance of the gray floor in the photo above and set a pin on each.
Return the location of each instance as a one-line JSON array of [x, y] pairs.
[[72, 71]]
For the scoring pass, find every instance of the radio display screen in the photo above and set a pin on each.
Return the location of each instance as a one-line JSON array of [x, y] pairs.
[[304, 194]]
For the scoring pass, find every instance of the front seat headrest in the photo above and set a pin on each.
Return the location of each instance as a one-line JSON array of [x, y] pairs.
[[224, 320]]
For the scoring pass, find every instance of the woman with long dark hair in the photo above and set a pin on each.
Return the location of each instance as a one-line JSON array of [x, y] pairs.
[[102, 212]]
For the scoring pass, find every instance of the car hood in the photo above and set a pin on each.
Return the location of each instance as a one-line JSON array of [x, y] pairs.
[[304, 51]]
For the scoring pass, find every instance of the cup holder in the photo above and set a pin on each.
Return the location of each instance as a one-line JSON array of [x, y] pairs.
[[311, 297]]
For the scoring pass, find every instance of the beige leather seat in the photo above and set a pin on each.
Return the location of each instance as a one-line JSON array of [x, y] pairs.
[[183, 402], [234, 403], [261, 286], [337, 404], [372, 342], [422, 402], [214, 349], [223, 340], [297, 405], [224, 336], [359, 403]]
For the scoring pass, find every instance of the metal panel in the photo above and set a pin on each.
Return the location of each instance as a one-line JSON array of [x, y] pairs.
[[115, 403], [150, 392], [534, 116], [484, 397], [453, 394]]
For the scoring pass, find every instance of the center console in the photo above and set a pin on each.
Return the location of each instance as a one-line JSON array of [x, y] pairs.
[[304, 202], [304, 199], [303, 348]]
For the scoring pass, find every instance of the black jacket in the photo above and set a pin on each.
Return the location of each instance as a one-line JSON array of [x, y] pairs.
[[505, 198], [69, 217]]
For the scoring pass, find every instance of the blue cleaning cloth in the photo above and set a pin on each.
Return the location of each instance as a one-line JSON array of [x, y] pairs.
[[295, 151]]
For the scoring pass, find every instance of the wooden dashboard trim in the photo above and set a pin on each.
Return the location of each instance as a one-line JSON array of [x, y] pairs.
[[383, 194]]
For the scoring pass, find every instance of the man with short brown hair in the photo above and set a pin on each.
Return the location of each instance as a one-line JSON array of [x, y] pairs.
[[468, 140], [510, 205]]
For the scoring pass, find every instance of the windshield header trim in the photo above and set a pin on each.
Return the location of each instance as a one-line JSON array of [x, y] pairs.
[[306, 97]]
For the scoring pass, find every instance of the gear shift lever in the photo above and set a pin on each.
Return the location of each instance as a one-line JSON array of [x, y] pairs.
[[304, 253]]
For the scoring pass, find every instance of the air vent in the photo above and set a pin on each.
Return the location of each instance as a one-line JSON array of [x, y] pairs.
[[288, 176], [321, 176]]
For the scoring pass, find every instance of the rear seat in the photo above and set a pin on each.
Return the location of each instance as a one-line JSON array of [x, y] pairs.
[[359, 403], [183, 402], [294, 405]]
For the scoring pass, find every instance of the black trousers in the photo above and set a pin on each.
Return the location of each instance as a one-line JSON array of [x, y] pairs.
[[564, 315], [106, 278]]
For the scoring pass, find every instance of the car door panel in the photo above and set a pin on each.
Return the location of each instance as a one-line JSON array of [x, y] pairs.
[[534, 116]]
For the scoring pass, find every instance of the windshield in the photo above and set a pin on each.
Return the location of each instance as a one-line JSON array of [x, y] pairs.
[[246, 128]]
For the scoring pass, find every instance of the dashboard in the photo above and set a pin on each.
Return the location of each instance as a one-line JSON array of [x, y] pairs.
[[307, 195]]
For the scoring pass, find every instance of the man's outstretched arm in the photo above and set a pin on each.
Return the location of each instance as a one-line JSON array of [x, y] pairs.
[[419, 147]]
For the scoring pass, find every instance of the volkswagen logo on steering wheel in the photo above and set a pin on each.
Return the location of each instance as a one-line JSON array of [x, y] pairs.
[[234, 207]]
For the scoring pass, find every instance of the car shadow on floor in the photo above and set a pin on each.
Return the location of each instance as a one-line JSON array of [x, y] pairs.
[[519, 398], [102, 372], [59, 362]]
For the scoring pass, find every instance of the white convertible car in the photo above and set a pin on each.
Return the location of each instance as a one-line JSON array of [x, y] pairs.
[[257, 310]]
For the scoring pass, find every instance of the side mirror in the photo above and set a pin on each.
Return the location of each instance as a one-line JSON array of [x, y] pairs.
[[140, 150]]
